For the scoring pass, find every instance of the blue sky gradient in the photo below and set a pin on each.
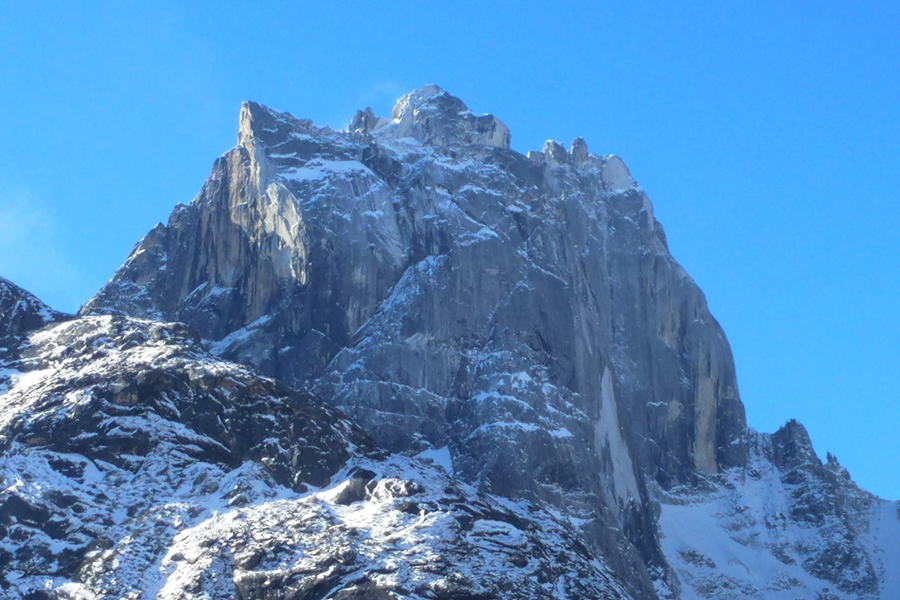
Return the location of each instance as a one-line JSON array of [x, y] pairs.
[[767, 135]]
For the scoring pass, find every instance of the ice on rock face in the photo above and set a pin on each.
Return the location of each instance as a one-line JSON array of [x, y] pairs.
[[610, 445]]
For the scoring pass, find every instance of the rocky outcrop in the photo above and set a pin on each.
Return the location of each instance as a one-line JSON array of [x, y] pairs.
[[220, 413], [411, 533], [822, 496], [105, 418], [435, 118], [21, 312]]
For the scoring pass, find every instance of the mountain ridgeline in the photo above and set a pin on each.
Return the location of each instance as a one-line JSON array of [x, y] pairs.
[[482, 361]]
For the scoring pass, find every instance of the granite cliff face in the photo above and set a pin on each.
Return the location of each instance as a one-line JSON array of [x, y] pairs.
[[407, 251], [509, 329]]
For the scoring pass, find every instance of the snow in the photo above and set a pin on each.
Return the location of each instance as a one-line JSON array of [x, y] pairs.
[[6, 378], [17, 385], [22, 381], [734, 539], [522, 378], [495, 396], [438, 456], [316, 170], [561, 433], [481, 235], [299, 533], [238, 336], [695, 531], [504, 425]]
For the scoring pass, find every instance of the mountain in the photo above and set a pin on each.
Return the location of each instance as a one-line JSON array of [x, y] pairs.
[[507, 332]]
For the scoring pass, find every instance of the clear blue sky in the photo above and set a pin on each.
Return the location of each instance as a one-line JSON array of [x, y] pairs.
[[766, 133]]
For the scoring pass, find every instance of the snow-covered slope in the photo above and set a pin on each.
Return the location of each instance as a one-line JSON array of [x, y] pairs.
[[785, 527]]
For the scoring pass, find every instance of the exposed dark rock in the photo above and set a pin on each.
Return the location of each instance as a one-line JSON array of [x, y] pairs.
[[20, 313]]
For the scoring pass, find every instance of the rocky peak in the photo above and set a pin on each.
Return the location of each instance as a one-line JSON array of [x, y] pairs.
[[363, 121], [579, 152], [259, 122], [429, 94], [434, 117], [554, 154], [517, 320], [833, 464], [791, 446], [616, 175], [522, 315], [21, 312]]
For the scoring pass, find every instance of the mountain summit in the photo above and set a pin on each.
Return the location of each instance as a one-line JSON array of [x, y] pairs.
[[512, 334]]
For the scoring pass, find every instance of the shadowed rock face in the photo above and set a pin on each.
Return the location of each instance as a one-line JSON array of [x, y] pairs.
[[104, 384], [419, 249], [445, 290], [21, 312]]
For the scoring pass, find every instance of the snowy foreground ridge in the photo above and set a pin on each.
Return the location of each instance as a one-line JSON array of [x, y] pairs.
[[406, 361]]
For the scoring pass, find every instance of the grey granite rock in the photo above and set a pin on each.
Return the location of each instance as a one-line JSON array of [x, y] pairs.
[[579, 152]]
